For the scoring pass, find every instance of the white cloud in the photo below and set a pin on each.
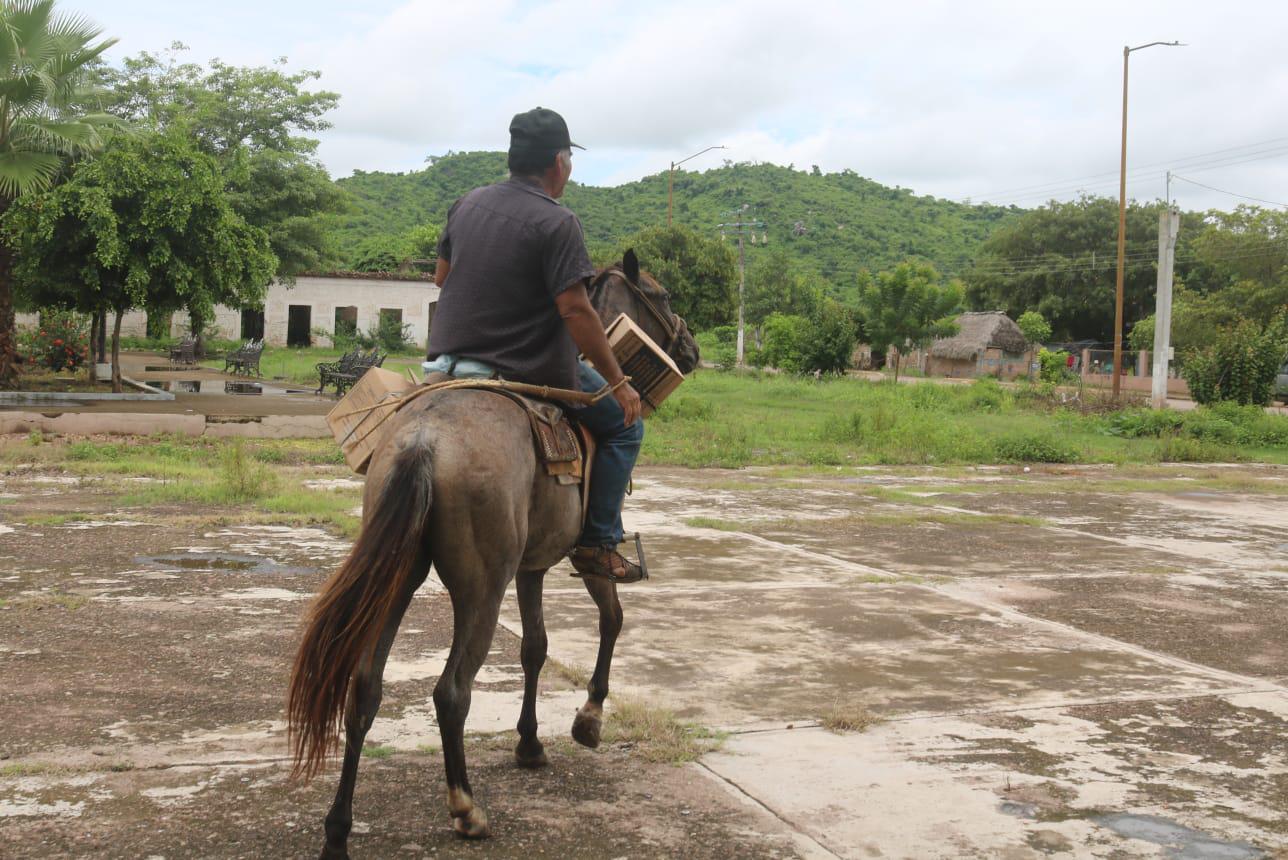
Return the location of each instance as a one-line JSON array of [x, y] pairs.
[[943, 97]]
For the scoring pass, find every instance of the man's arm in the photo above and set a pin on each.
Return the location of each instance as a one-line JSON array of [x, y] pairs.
[[588, 333], [440, 271]]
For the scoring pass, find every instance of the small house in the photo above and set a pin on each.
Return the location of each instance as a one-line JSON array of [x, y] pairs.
[[989, 343]]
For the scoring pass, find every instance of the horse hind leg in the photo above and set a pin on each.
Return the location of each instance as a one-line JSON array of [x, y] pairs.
[[365, 693], [475, 615], [532, 653], [587, 724]]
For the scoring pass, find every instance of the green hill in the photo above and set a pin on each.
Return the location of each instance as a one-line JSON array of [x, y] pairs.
[[832, 223]]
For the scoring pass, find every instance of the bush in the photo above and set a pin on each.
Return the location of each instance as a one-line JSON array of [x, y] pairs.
[[1240, 365], [59, 342], [986, 395], [1035, 448], [1054, 366]]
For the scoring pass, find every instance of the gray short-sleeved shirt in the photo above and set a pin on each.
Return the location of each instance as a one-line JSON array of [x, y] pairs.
[[511, 249]]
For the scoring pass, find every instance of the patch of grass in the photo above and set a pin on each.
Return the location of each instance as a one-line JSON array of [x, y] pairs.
[[121, 766], [843, 717], [47, 600], [656, 735], [32, 768], [950, 518], [713, 523], [53, 519], [377, 752], [35, 438], [426, 749], [577, 675], [733, 420]]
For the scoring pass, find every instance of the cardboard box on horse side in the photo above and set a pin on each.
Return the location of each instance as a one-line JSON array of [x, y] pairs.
[[356, 426], [653, 374]]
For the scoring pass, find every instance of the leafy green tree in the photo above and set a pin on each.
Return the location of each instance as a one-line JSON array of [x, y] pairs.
[[908, 307], [701, 274], [1034, 327], [44, 60], [256, 121], [1060, 260], [145, 224], [776, 285]]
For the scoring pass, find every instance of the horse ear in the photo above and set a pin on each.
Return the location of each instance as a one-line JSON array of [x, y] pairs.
[[631, 266]]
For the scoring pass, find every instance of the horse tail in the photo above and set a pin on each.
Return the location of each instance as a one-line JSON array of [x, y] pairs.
[[345, 621]]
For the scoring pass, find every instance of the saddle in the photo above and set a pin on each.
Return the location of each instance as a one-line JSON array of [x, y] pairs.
[[564, 448]]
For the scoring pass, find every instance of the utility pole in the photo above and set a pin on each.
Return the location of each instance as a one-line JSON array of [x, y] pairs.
[[742, 226], [1169, 226], [1122, 222]]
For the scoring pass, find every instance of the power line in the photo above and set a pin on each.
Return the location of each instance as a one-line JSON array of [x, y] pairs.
[[1231, 193], [1195, 163]]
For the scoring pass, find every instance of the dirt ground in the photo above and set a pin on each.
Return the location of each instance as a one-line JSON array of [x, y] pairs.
[[1065, 662]]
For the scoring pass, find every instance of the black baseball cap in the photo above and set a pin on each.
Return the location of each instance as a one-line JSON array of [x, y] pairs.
[[539, 129]]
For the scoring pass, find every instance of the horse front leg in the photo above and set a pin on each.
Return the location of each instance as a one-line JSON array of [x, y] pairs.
[[532, 654], [590, 717], [365, 692]]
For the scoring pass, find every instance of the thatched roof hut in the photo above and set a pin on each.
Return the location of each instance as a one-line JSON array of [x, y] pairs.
[[980, 331]]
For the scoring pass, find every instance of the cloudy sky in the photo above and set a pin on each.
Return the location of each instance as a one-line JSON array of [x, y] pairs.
[[1011, 102]]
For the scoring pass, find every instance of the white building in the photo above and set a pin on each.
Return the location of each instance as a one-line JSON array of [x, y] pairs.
[[308, 312]]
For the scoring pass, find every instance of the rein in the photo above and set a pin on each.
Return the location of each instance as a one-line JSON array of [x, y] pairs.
[[667, 326]]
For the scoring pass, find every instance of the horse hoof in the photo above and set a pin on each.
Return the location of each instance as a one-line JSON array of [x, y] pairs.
[[329, 853], [585, 730], [472, 825], [530, 756]]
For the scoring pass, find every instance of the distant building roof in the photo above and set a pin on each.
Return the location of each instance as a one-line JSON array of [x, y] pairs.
[[980, 330]]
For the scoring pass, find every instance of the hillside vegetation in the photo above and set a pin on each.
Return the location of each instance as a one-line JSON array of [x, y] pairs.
[[834, 224]]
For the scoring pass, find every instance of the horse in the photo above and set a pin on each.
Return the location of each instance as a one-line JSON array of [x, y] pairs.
[[455, 482]]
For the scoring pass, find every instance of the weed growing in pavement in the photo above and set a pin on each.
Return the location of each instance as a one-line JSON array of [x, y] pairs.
[[655, 734], [577, 675], [843, 717], [713, 523]]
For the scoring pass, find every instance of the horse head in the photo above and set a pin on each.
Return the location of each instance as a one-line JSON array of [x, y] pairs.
[[624, 289]]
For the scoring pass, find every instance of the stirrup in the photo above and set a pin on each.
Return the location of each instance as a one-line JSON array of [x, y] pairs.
[[628, 578]]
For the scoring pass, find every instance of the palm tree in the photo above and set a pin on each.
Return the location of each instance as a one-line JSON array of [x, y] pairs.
[[44, 60]]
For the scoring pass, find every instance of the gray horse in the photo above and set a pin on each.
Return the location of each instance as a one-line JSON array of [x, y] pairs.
[[456, 484]]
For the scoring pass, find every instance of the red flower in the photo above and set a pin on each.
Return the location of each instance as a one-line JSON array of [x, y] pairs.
[[58, 341]]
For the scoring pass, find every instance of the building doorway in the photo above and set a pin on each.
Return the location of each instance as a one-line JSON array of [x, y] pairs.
[[252, 324], [346, 322], [299, 320]]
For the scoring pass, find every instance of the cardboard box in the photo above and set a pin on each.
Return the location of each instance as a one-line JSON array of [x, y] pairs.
[[653, 374], [359, 429]]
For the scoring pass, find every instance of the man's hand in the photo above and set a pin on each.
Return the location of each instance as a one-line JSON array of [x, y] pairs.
[[588, 333], [629, 399]]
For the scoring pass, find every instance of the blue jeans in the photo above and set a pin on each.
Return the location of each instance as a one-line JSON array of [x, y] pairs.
[[617, 448]]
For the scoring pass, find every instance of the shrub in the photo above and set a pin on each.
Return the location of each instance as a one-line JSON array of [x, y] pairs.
[[1035, 448], [1240, 365], [59, 342], [1136, 423], [1054, 365], [986, 395]]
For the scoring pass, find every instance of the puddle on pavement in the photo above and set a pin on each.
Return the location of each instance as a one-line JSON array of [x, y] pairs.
[[1179, 842], [219, 562]]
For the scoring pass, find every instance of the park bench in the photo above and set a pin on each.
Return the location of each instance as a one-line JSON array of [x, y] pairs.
[[244, 359], [184, 352], [343, 374]]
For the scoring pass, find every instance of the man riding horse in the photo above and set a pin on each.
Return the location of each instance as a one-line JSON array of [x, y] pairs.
[[514, 271]]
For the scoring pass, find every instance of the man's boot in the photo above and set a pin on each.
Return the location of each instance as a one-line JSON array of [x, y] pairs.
[[605, 562]]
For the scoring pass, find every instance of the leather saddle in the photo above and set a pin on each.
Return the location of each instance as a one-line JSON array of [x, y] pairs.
[[564, 448]]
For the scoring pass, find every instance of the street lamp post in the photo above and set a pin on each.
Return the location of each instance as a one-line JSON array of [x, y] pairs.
[[670, 181], [1122, 224]]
